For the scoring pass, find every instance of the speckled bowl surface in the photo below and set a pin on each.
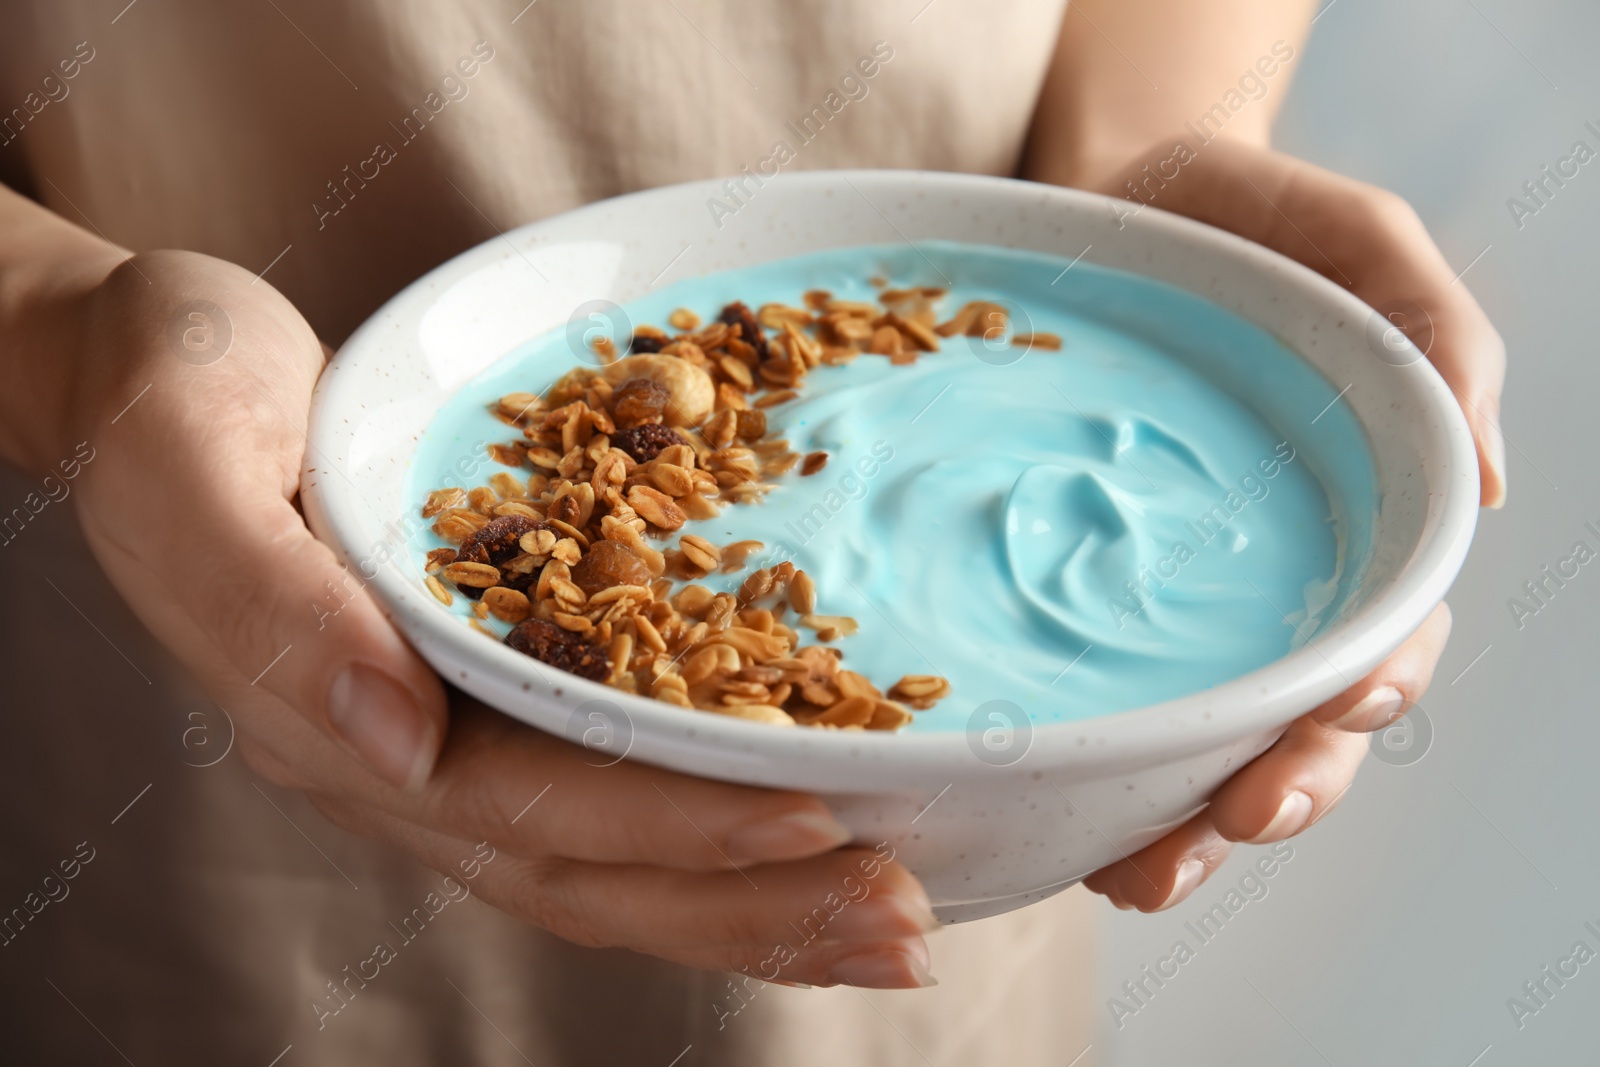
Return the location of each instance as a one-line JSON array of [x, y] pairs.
[[991, 819]]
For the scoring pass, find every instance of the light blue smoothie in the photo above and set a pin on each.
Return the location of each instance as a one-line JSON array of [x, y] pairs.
[[1148, 512]]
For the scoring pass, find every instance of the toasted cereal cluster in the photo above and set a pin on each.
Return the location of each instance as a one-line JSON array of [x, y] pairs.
[[635, 450]]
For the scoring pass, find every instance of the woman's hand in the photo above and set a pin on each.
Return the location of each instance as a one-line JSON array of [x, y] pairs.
[[194, 380], [1371, 242]]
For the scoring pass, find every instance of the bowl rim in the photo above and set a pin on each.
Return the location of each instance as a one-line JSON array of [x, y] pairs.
[[1262, 699]]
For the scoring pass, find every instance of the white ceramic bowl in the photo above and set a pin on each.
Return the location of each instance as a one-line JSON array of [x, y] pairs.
[[988, 827]]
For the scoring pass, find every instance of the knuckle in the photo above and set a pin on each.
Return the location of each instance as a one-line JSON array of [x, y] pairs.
[[660, 841], [342, 815], [467, 806], [730, 926], [265, 764], [1385, 209], [542, 893]]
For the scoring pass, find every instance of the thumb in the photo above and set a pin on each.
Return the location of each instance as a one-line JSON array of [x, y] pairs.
[[293, 621]]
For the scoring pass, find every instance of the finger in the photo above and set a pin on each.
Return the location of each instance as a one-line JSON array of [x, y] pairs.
[[1394, 685], [1163, 874], [304, 627], [1301, 777], [216, 537], [1290, 786], [853, 916], [535, 795]]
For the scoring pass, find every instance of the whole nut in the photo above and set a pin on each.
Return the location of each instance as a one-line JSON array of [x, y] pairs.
[[693, 393]]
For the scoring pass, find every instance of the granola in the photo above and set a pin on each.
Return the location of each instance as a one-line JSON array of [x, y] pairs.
[[615, 459]]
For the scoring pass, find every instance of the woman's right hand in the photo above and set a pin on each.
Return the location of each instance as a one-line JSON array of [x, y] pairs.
[[189, 506]]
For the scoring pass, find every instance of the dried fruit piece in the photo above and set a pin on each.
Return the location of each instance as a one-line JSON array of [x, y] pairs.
[[739, 314], [639, 401], [644, 443], [496, 543], [497, 540], [609, 563], [549, 643]]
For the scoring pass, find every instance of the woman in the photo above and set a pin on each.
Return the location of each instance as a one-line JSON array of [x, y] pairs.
[[300, 162]]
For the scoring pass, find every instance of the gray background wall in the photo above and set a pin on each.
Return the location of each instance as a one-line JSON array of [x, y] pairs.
[[1406, 920]]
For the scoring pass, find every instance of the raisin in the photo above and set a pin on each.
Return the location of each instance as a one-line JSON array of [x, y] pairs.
[[644, 443], [752, 425], [609, 563], [549, 643], [739, 314], [639, 402], [642, 343], [496, 544]]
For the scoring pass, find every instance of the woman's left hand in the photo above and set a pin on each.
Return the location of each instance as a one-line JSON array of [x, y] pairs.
[[1372, 243]]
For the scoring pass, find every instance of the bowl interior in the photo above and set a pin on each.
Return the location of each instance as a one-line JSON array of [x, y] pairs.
[[399, 369]]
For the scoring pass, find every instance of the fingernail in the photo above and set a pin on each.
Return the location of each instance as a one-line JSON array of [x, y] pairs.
[[882, 918], [884, 969], [376, 719], [1374, 711], [1494, 445], [1189, 874], [1290, 819], [789, 837], [1334, 803]]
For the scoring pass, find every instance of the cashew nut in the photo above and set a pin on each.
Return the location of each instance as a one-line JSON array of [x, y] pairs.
[[693, 394]]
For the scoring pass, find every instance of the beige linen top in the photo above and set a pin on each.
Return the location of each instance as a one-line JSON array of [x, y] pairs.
[[343, 147]]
